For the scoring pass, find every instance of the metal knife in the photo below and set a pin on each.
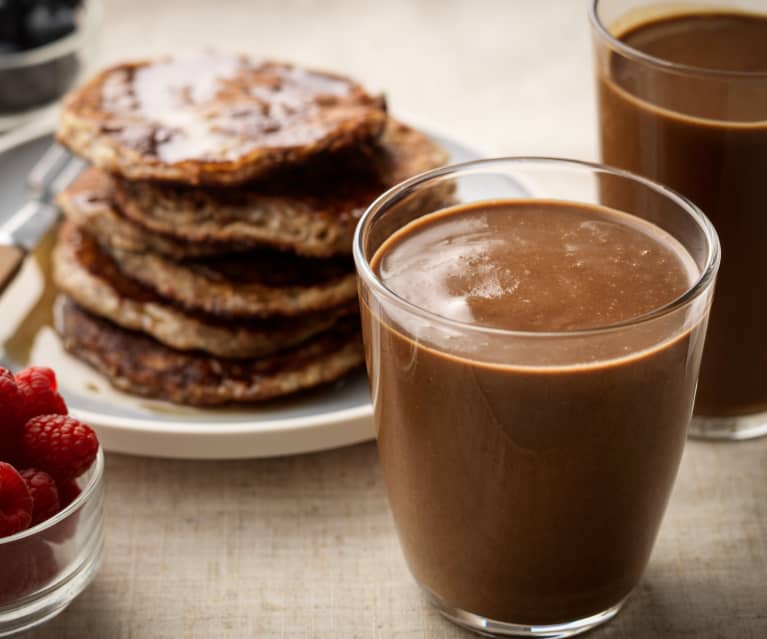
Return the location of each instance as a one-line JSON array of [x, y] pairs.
[[22, 232]]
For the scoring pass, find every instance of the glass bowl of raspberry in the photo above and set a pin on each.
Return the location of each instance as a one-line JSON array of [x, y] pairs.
[[51, 501], [45, 567]]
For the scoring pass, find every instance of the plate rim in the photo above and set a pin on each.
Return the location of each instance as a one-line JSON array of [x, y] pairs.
[[201, 428]]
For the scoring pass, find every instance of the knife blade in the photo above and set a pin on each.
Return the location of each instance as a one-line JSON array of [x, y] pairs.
[[23, 231]]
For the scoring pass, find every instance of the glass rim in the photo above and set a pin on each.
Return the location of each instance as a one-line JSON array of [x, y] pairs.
[[93, 481], [701, 284], [92, 14], [661, 63]]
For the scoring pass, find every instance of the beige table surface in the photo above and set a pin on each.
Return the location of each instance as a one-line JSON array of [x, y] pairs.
[[304, 546]]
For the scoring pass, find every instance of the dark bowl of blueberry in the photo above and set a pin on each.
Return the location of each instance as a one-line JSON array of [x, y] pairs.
[[45, 46]]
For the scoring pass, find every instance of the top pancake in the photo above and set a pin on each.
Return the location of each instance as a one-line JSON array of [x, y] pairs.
[[214, 118], [312, 209]]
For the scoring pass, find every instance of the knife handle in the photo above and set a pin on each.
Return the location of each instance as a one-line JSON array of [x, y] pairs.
[[11, 259]]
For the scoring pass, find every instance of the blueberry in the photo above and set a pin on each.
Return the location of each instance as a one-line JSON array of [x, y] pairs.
[[26, 24], [10, 25], [45, 24]]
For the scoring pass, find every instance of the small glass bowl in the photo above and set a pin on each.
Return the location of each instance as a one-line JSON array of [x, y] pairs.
[[32, 81], [44, 568]]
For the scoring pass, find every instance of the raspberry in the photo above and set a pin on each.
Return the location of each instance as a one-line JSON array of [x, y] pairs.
[[38, 390], [64, 530], [68, 492], [45, 372], [61, 446], [15, 501], [10, 409], [45, 494]]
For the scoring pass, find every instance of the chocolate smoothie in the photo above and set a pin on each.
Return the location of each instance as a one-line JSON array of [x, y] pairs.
[[528, 473], [705, 135]]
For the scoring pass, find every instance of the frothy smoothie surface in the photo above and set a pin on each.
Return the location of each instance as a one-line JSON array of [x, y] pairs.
[[535, 265]]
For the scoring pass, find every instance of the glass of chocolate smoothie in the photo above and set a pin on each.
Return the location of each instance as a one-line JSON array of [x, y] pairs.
[[533, 351], [682, 92]]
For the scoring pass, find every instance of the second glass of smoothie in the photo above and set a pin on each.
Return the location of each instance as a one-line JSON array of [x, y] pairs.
[[533, 351], [682, 88]]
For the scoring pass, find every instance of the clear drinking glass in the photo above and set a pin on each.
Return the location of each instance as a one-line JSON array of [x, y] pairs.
[[528, 472], [702, 132]]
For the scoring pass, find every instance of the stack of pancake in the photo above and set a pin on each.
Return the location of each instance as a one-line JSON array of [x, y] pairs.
[[205, 257]]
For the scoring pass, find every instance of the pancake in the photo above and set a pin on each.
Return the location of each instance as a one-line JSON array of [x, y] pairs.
[[88, 203], [214, 118], [256, 284], [311, 210], [140, 365], [88, 276]]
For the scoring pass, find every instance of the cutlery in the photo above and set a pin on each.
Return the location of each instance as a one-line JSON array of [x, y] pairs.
[[22, 232]]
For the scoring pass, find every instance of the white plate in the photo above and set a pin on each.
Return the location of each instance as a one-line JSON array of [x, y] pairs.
[[326, 418]]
